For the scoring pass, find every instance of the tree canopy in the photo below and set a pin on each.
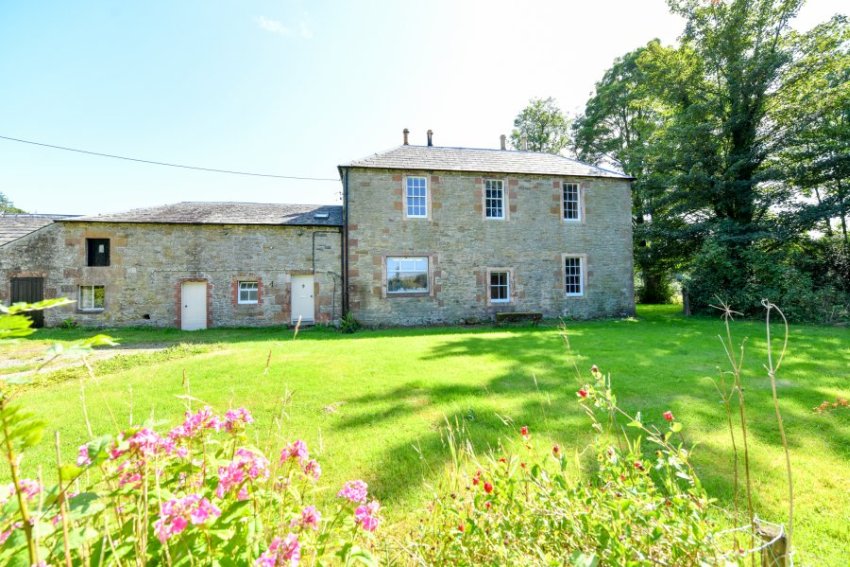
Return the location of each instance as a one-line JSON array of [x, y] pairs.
[[544, 126], [6, 206]]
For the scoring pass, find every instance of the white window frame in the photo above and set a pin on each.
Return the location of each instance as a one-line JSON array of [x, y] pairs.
[[85, 298], [503, 198], [239, 290], [403, 292], [582, 266], [578, 201], [508, 285], [407, 196]]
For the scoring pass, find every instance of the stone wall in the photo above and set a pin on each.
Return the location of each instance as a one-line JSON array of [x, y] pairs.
[[148, 262], [462, 246]]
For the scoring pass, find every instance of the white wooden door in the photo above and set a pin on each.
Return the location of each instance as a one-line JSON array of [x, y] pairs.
[[303, 304], [194, 304]]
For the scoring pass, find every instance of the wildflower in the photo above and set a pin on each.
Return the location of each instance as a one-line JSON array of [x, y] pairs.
[[594, 369], [237, 419], [668, 415], [488, 505], [639, 465], [488, 488], [296, 451], [312, 469], [194, 423], [365, 516], [524, 431], [460, 528], [246, 465], [176, 515], [582, 393], [556, 451], [83, 458], [477, 478], [310, 518], [281, 552], [354, 490], [147, 443]]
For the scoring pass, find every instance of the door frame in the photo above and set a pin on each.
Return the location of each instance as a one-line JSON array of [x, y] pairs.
[[293, 318], [178, 300], [37, 317]]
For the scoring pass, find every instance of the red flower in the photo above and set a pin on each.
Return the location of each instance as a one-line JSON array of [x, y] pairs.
[[668, 415], [556, 451], [524, 431], [582, 393], [460, 528], [477, 478], [639, 465], [503, 460], [488, 488], [487, 504]]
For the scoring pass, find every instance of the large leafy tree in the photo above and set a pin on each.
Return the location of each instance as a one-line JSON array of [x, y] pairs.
[[544, 126], [6, 206]]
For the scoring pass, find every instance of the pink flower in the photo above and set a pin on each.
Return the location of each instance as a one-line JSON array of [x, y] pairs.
[[176, 515], [582, 393], [668, 415], [29, 488], [194, 423], [310, 518], [354, 490], [281, 552], [297, 451], [237, 419], [365, 516], [246, 465], [312, 469], [83, 459]]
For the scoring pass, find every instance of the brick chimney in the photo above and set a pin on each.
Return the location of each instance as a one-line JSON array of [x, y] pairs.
[[405, 132], [430, 138], [502, 140]]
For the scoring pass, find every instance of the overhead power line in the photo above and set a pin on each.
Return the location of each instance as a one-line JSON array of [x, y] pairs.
[[181, 166]]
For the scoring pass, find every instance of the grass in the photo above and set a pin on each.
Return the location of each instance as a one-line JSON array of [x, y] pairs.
[[372, 404]]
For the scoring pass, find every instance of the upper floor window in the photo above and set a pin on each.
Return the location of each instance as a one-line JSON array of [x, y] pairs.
[[494, 199], [248, 292], [407, 275], [500, 286], [572, 205], [573, 276], [97, 251], [416, 197], [92, 298]]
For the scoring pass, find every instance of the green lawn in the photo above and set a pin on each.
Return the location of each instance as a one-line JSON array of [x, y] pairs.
[[371, 404]]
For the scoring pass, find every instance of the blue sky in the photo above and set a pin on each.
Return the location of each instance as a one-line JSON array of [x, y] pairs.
[[283, 87]]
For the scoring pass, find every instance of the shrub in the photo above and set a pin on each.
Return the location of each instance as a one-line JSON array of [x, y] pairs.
[[198, 492], [633, 505], [348, 324]]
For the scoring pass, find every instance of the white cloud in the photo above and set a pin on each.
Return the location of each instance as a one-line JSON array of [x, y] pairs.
[[306, 32], [273, 26]]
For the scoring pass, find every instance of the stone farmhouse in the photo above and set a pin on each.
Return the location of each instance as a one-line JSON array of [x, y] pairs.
[[425, 235]]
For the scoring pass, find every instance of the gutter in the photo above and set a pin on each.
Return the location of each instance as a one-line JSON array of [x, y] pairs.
[[345, 303]]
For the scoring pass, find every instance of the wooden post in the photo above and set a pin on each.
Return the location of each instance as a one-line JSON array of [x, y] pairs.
[[775, 551]]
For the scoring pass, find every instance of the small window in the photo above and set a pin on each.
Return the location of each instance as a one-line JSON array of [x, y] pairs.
[[416, 197], [248, 292], [573, 281], [572, 207], [407, 275], [500, 287], [494, 199], [92, 298], [98, 251]]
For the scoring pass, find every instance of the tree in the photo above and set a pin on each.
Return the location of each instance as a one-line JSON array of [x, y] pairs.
[[543, 124], [6, 206], [623, 121]]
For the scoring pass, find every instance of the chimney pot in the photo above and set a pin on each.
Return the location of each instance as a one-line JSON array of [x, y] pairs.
[[523, 142], [405, 132], [502, 140], [430, 138]]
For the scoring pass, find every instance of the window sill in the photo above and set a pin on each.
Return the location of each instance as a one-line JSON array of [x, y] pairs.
[[390, 295], [247, 303], [91, 311]]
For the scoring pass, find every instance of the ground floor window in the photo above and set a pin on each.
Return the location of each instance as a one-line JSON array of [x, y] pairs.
[[573, 280], [248, 292], [407, 274], [500, 286], [92, 298]]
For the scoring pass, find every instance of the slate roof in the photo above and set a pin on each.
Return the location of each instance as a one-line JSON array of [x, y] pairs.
[[437, 158], [14, 226], [226, 213]]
